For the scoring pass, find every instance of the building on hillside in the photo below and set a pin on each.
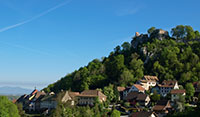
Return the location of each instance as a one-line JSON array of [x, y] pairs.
[[48, 102], [69, 97], [148, 81], [144, 114], [176, 93], [143, 99], [88, 97], [120, 90], [137, 97], [29, 101], [133, 88], [167, 86], [162, 107], [137, 88]]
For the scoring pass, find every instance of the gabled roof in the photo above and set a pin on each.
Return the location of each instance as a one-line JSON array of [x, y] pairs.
[[162, 105], [34, 92], [120, 89], [139, 87], [177, 91], [131, 95], [150, 78], [91, 93], [168, 83], [143, 114]]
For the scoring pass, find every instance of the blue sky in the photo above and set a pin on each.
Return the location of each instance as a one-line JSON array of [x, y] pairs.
[[43, 40]]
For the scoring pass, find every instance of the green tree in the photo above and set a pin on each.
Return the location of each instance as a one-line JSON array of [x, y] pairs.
[[7, 108], [109, 92], [189, 90], [115, 113], [155, 97], [150, 30], [126, 78]]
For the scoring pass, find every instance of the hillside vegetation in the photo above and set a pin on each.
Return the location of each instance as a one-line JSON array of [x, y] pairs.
[[174, 57]]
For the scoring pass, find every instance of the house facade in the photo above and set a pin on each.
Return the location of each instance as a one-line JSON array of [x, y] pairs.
[[167, 86]]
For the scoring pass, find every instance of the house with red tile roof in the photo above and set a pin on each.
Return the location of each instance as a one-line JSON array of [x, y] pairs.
[[137, 88]]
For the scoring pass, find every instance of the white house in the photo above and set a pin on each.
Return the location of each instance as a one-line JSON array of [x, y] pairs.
[[148, 81], [167, 86]]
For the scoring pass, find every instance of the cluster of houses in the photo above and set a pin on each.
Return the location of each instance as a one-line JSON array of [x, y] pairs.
[[136, 95], [39, 101]]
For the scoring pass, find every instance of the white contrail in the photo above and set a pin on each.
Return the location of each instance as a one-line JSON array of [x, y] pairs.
[[27, 48], [35, 17]]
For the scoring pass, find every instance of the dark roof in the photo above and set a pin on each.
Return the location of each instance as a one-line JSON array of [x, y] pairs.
[[49, 98], [177, 91], [143, 114], [22, 98], [141, 97], [132, 95], [168, 83], [161, 105]]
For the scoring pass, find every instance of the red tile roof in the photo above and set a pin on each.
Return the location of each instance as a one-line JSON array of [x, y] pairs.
[[154, 78], [168, 83], [139, 87], [120, 89], [177, 91]]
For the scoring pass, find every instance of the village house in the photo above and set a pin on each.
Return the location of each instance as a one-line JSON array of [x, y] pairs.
[[88, 97], [48, 102], [144, 114], [70, 97], [135, 87], [176, 93], [162, 107], [137, 97], [148, 81], [143, 99], [167, 86]]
